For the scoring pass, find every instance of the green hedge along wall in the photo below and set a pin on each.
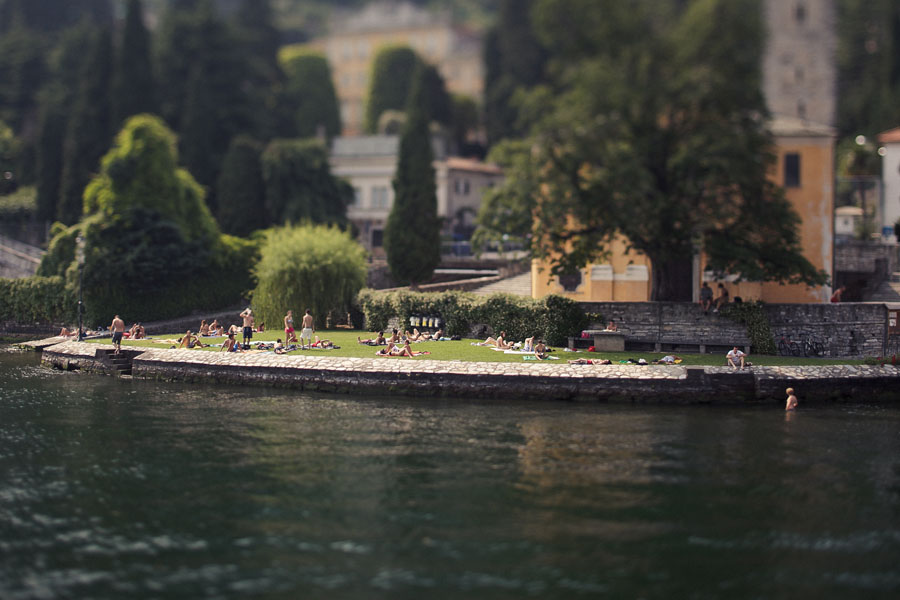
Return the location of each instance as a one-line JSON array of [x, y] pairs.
[[552, 318], [44, 300]]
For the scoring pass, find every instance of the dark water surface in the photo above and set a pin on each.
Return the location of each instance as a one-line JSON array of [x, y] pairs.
[[129, 489]]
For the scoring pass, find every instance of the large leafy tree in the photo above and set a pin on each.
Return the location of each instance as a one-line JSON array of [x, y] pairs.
[[868, 60], [656, 134], [412, 234], [389, 86], [134, 89], [514, 59], [299, 184]]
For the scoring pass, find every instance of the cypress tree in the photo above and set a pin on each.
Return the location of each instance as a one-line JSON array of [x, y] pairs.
[[55, 101], [392, 73], [309, 100], [133, 87], [241, 188], [89, 130], [412, 235]]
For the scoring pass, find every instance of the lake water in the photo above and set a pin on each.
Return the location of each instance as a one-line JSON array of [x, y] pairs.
[[128, 489]]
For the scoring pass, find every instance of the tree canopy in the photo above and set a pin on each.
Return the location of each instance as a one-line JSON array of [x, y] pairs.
[[141, 171], [662, 143]]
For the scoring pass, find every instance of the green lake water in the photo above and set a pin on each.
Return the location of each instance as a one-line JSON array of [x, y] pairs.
[[129, 489]]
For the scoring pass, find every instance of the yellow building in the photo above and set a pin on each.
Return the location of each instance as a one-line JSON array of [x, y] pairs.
[[355, 40], [804, 167]]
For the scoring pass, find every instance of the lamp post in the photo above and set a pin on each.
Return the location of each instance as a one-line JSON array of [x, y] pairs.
[[79, 256]]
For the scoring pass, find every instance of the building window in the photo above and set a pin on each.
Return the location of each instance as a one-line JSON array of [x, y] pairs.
[[379, 197], [791, 170], [570, 282], [357, 199], [800, 13], [377, 238]]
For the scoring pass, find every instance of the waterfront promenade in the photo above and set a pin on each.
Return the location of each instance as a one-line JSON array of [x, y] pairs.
[[551, 380]]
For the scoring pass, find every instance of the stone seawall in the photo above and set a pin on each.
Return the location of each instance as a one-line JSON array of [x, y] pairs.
[[845, 329], [507, 381]]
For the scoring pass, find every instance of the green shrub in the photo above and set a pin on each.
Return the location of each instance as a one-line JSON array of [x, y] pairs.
[[753, 316], [309, 266], [21, 204], [37, 300], [552, 318]]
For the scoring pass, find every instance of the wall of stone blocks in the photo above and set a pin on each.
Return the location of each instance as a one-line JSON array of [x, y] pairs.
[[862, 257], [846, 330]]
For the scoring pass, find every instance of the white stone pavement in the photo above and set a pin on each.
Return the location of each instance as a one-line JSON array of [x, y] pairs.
[[561, 368]]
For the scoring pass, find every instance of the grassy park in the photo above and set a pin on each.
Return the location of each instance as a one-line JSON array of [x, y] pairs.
[[463, 350]]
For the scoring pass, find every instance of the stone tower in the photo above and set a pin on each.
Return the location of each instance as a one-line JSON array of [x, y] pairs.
[[799, 67]]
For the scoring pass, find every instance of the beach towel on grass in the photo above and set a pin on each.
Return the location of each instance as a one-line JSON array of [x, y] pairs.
[[532, 357]]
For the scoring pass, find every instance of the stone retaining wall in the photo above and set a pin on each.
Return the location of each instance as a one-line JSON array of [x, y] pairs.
[[509, 381], [846, 329]]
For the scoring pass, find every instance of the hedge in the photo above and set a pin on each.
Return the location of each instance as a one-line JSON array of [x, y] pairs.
[[37, 300], [552, 318]]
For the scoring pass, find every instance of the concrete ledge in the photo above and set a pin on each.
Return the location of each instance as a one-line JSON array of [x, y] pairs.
[[556, 380]]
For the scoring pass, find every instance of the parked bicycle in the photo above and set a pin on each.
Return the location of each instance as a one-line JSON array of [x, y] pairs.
[[788, 347]]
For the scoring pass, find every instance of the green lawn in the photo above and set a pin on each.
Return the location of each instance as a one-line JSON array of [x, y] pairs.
[[464, 351]]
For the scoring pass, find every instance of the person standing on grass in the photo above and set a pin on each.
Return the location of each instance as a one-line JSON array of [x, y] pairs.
[[118, 330], [307, 330], [289, 335], [247, 316]]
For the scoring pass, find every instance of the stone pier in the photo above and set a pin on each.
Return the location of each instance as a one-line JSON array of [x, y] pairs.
[[657, 384]]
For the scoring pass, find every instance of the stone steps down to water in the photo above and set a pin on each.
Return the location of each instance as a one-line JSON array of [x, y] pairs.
[[511, 381]]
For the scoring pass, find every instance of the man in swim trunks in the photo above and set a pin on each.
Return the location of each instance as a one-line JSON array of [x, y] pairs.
[[247, 316], [118, 329], [307, 330]]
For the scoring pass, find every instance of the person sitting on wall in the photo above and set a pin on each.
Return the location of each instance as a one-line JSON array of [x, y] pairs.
[[838, 294], [722, 300], [736, 358], [611, 326], [706, 297]]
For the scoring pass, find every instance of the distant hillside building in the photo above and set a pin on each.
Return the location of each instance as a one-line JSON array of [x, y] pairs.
[[369, 164], [356, 37]]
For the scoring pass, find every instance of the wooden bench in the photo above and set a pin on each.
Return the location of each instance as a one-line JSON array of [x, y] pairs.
[[701, 346]]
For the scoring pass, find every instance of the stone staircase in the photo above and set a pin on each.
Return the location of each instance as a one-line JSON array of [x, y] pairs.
[[118, 364]]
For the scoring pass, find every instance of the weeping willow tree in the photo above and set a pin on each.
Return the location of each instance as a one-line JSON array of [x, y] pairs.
[[308, 266]]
